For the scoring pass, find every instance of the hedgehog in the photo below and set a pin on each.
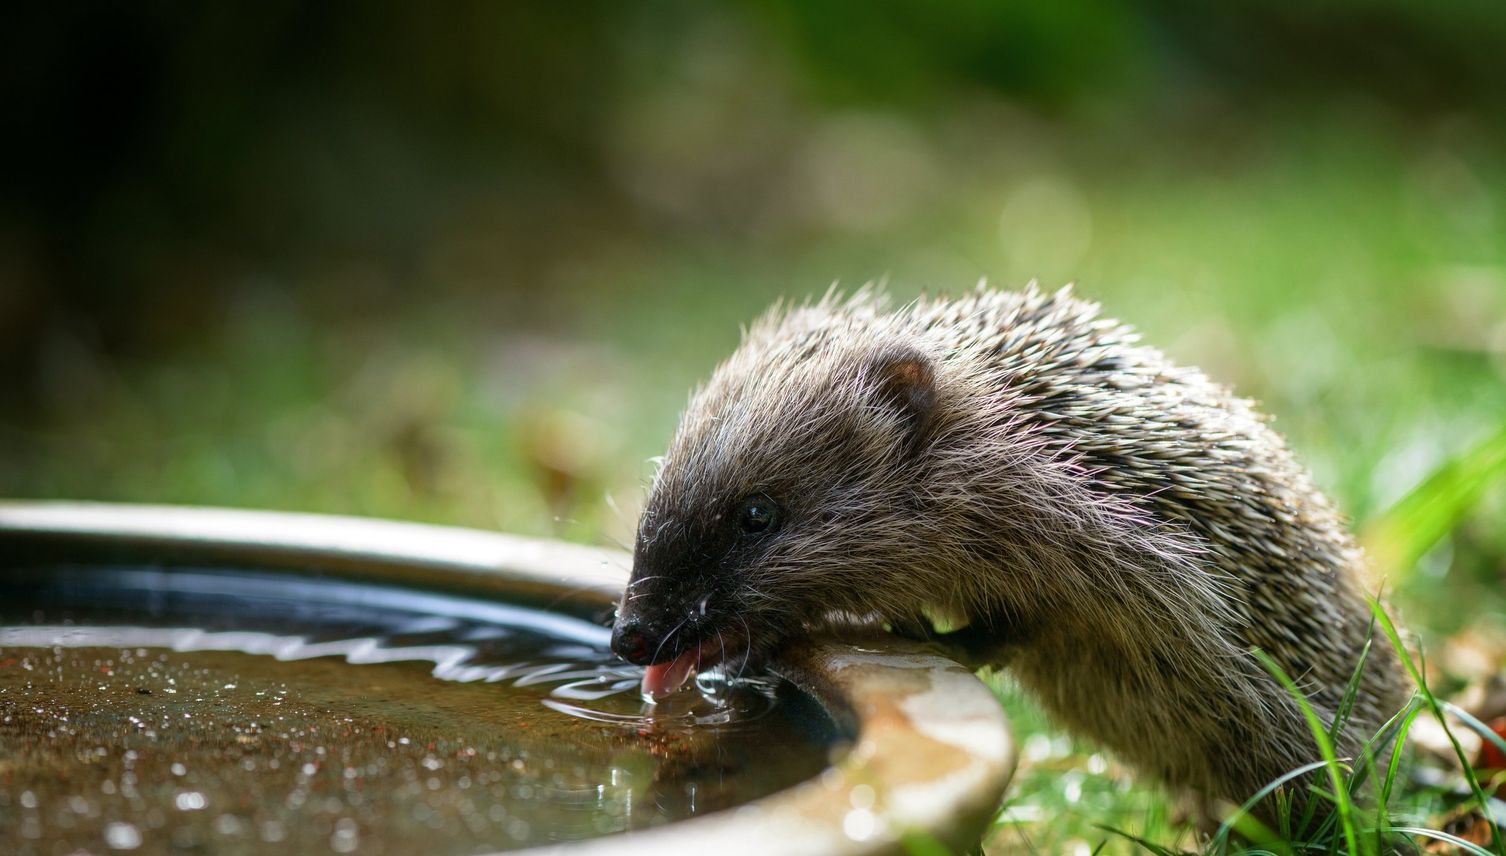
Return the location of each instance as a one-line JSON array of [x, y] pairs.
[[1119, 533]]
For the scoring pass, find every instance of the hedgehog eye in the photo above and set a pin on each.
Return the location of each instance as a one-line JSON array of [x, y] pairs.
[[757, 514]]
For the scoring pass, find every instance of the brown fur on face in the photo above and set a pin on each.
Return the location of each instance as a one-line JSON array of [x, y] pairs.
[[1120, 530]]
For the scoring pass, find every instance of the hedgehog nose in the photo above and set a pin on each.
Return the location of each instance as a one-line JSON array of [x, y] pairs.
[[630, 642]]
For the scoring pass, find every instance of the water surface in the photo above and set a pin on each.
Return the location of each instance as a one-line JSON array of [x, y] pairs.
[[157, 711]]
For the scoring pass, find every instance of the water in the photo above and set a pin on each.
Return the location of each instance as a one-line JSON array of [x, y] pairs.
[[153, 711]]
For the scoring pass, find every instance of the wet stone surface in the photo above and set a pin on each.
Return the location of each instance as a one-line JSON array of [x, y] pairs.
[[240, 720]]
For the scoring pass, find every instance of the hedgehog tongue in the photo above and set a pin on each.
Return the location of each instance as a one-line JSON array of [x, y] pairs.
[[661, 679]]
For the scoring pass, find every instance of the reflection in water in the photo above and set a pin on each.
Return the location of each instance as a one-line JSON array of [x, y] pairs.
[[158, 711], [591, 675]]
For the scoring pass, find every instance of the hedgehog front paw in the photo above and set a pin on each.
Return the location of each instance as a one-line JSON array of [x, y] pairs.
[[977, 647]]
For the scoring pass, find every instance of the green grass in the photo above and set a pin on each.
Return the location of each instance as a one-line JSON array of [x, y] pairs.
[[1396, 540], [1350, 276]]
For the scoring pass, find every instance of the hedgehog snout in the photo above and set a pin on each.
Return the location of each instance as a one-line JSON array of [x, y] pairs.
[[644, 634], [630, 642]]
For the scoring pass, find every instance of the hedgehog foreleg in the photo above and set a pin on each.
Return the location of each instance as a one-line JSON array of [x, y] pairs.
[[976, 647]]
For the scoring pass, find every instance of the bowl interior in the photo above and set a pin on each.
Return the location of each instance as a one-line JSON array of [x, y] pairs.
[[219, 705]]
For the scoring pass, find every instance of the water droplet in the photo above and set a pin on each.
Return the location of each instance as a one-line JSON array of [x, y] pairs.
[[122, 836], [272, 832], [859, 824], [346, 836]]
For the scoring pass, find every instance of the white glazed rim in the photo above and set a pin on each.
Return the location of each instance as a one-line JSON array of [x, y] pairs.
[[931, 750]]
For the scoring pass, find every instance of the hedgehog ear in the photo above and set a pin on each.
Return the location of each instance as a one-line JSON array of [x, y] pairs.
[[905, 380]]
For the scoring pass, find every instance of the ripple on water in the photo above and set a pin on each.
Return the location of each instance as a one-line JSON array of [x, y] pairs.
[[155, 711]]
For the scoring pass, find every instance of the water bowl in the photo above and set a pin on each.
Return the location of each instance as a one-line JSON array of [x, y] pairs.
[[189, 679]]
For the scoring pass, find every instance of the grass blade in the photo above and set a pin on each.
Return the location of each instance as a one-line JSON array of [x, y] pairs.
[[1426, 515], [1243, 811], [1436, 708], [1396, 747], [1485, 731], [1157, 849], [1442, 836], [1325, 748], [1352, 689]]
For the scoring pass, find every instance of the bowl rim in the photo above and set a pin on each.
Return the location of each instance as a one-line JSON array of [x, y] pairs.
[[930, 753]]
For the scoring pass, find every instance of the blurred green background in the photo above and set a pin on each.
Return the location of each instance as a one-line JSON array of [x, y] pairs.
[[462, 262]]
